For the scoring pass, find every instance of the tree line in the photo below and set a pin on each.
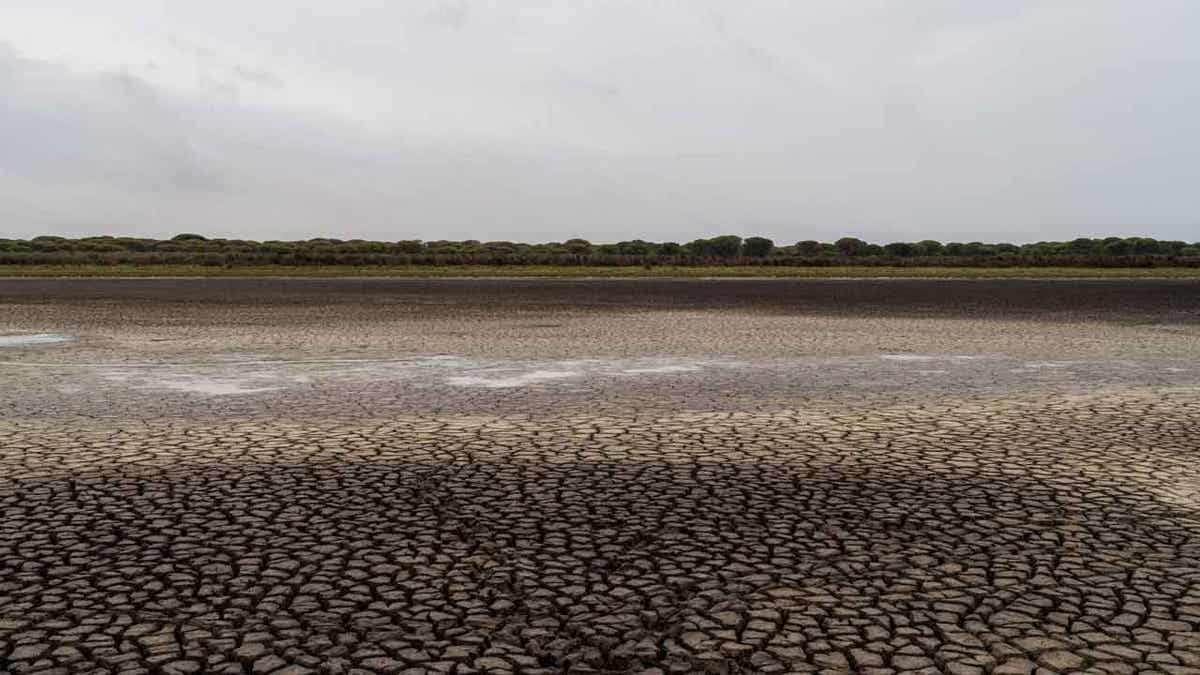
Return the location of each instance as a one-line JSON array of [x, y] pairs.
[[195, 249]]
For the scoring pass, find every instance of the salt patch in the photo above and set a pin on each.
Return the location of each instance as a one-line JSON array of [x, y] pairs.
[[520, 380], [660, 369], [193, 384], [34, 339]]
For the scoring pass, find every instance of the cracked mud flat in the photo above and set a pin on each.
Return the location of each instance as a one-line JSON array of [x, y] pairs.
[[461, 476]]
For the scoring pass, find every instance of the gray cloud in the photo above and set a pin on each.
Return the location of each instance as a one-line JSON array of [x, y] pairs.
[[113, 131], [542, 121]]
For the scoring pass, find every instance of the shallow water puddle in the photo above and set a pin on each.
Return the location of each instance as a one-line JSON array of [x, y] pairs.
[[33, 339]]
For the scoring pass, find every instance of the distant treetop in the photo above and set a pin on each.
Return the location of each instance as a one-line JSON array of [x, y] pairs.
[[726, 249]]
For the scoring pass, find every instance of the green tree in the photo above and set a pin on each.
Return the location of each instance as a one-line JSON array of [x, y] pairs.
[[1115, 246], [931, 247], [850, 246], [1082, 246], [1143, 245], [635, 247], [725, 246], [757, 247], [578, 246], [979, 249], [808, 247], [901, 249]]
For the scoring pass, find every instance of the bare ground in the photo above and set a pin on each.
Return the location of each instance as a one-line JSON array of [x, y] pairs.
[[882, 476]]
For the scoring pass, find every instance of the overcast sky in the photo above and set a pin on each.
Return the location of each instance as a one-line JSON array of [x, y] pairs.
[[538, 121]]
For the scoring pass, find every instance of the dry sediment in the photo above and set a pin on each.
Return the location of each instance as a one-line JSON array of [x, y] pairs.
[[870, 514]]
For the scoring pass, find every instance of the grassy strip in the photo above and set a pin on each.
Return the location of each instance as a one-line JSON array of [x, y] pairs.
[[557, 271]]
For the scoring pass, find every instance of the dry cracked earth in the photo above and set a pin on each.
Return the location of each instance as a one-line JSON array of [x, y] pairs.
[[583, 476]]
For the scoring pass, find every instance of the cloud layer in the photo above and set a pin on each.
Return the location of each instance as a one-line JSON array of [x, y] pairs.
[[542, 121]]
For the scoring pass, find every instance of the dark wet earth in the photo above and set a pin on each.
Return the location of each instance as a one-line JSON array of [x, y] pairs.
[[485, 476]]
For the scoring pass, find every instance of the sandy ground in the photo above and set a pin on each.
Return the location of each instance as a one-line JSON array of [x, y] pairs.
[[394, 475]]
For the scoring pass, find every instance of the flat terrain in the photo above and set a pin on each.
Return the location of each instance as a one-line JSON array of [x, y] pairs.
[[542, 476]]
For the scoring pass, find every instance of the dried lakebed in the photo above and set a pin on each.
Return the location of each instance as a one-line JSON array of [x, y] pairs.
[[468, 476]]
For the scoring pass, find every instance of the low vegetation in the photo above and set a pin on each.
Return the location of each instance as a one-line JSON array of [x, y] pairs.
[[759, 253], [580, 271]]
